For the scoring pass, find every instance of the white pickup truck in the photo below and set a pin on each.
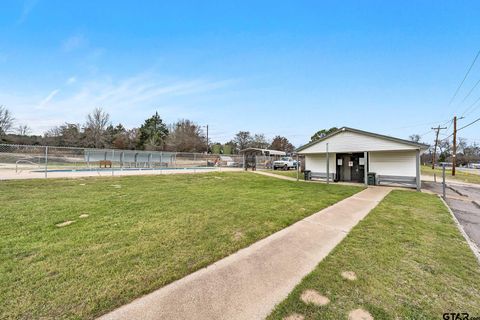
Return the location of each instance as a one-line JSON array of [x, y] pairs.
[[285, 163]]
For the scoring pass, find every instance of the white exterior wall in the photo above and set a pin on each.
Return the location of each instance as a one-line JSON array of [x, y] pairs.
[[395, 163], [318, 162], [355, 142]]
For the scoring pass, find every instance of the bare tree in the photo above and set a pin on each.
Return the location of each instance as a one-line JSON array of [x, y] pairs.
[[95, 128], [415, 138], [23, 130], [282, 144], [6, 121], [242, 140], [462, 145], [67, 134], [259, 141], [186, 136]]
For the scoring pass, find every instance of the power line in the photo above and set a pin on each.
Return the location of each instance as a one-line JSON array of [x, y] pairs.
[[421, 124], [470, 92], [464, 78], [450, 124], [468, 111], [465, 126]]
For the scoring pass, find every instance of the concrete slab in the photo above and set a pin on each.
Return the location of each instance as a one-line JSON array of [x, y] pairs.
[[249, 283]]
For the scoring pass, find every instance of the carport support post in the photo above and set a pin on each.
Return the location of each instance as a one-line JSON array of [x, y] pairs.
[[297, 167], [328, 166], [419, 183], [365, 168]]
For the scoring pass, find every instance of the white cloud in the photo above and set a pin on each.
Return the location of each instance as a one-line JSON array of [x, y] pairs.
[[128, 100], [28, 6], [71, 80], [74, 42], [48, 98]]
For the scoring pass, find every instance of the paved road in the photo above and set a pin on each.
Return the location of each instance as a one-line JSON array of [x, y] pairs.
[[464, 201], [469, 170]]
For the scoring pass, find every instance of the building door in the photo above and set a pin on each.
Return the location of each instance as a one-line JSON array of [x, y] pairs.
[[358, 170], [349, 167]]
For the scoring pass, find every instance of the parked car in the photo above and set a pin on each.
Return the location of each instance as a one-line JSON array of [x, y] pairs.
[[474, 165], [285, 163]]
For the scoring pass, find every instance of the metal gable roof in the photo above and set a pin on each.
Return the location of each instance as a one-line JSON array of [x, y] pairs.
[[371, 134]]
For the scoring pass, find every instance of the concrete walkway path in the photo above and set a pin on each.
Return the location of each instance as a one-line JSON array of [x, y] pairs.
[[249, 283]]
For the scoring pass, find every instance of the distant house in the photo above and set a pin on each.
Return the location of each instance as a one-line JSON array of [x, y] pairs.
[[350, 154]]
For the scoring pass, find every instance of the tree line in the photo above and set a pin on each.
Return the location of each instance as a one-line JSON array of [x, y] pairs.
[[154, 134]]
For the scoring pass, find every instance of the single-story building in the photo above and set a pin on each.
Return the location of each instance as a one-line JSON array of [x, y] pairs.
[[350, 154]]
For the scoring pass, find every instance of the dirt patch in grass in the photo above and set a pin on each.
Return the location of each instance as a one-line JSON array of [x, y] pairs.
[[349, 275], [238, 235], [83, 216], [359, 314], [313, 297], [64, 224], [294, 316]]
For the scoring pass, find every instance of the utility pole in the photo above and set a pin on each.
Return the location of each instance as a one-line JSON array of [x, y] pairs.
[[437, 130], [454, 156]]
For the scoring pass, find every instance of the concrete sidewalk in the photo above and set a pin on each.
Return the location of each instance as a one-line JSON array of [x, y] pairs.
[[249, 283]]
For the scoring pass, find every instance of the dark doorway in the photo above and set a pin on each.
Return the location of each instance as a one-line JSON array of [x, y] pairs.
[[350, 167]]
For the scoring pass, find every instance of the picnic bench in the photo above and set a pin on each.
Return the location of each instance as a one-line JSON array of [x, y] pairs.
[[105, 163], [399, 180], [322, 175]]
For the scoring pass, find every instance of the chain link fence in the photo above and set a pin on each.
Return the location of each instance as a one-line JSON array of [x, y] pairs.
[[19, 159]]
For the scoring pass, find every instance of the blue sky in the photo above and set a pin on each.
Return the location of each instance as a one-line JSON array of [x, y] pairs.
[[273, 67]]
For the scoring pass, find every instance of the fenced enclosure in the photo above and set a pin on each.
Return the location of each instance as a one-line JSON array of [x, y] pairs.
[[21, 159]]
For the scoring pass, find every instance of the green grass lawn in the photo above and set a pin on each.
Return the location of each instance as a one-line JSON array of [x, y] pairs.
[[459, 175], [287, 173], [410, 260], [141, 233]]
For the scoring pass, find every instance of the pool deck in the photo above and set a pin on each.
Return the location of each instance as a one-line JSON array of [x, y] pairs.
[[35, 174]]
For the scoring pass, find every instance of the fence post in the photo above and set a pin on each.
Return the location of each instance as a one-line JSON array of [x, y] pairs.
[[113, 157], [46, 161]]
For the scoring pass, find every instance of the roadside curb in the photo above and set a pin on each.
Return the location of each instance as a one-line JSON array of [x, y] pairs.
[[476, 203], [471, 244], [457, 191]]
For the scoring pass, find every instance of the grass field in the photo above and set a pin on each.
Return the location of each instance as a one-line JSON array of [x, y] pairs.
[[410, 260], [141, 233], [459, 175]]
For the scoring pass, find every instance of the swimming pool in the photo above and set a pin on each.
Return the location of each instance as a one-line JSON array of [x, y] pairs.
[[123, 169]]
